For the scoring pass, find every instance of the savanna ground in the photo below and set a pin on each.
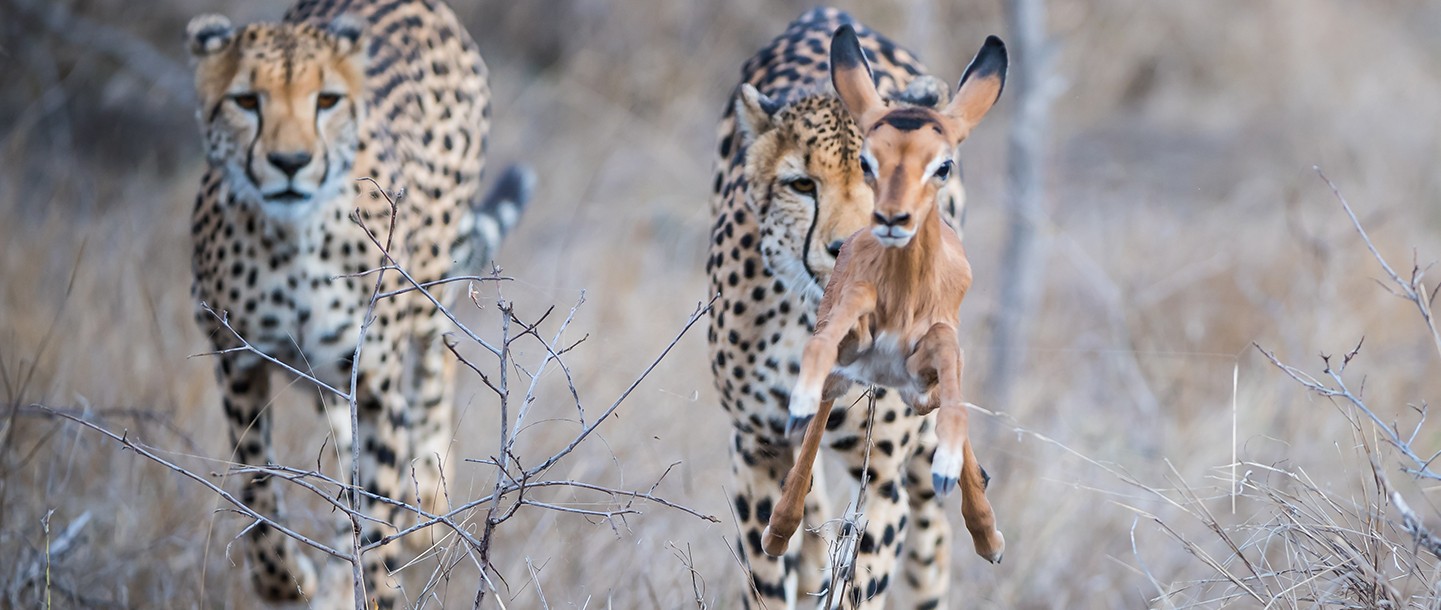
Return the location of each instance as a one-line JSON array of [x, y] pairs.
[[1184, 222]]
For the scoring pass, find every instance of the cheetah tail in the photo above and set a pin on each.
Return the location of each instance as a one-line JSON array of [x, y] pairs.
[[494, 216]]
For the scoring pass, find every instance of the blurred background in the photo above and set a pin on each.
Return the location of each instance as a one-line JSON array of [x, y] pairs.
[[1181, 222]]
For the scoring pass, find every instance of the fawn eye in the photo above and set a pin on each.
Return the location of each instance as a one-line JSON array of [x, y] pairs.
[[246, 101], [944, 171], [326, 101], [804, 186], [866, 168]]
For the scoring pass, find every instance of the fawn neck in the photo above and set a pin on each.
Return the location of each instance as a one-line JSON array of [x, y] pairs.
[[911, 266]]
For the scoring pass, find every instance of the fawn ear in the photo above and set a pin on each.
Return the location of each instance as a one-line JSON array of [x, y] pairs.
[[208, 35], [981, 84], [348, 32], [754, 112], [851, 76]]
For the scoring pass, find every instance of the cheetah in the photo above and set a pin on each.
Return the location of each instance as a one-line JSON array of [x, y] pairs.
[[789, 188], [296, 116]]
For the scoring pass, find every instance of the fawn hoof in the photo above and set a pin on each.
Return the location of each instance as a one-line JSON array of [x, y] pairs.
[[797, 424], [985, 479], [991, 547], [946, 470], [773, 543], [944, 485], [802, 407]]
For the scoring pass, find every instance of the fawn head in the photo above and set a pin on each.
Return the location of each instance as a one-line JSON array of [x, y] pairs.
[[908, 151]]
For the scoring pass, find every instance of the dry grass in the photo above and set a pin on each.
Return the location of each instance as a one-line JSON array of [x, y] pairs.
[[1185, 224]]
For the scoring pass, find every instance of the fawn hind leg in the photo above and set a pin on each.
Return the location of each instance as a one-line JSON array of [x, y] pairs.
[[937, 363], [954, 462]]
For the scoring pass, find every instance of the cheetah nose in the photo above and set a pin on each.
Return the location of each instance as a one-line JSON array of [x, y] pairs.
[[289, 162], [834, 248], [891, 221]]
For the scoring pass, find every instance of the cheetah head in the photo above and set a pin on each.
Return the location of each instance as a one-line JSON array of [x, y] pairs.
[[805, 183], [280, 106]]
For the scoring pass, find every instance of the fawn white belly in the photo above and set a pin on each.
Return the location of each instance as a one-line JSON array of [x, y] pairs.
[[884, 364]]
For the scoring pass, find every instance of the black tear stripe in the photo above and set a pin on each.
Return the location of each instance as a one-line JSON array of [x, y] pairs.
[[810, 232], [325, 159], [250, 151], [320, 137]]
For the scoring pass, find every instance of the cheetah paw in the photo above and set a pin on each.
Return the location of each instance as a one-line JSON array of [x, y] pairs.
[[946, 469], [280, 581]]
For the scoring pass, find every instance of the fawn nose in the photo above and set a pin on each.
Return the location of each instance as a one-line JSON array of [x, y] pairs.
[[834, 248], [290, 163], [890, 221]]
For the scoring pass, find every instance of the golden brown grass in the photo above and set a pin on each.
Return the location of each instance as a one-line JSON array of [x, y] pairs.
[[1185, 224]]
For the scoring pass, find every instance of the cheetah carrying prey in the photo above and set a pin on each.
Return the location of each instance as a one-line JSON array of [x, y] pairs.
[[789, 188]]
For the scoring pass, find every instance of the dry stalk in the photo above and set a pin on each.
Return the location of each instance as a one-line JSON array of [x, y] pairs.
[[1308, 544]]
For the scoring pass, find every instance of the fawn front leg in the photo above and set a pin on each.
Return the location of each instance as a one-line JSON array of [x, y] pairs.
[[832, 325]]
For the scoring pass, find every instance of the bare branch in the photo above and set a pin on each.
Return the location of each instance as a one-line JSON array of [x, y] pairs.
[[240, 507], [696, 316], [1413, 290]]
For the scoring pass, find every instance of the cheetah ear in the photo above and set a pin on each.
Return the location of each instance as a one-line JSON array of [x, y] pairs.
[[981, 84], [754, 112], [209, 34], [349, 33], [851, 76], [926, 91]]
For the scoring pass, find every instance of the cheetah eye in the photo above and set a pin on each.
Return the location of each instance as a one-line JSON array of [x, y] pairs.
[[804, 186], [247, 101], [326, 101], [944, 171]]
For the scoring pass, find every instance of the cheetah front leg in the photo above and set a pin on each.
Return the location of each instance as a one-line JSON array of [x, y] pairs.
[[383, 438], [928, 541], [815, 548], [279, 572], [884, 519], [433, 400], [758, 463]]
